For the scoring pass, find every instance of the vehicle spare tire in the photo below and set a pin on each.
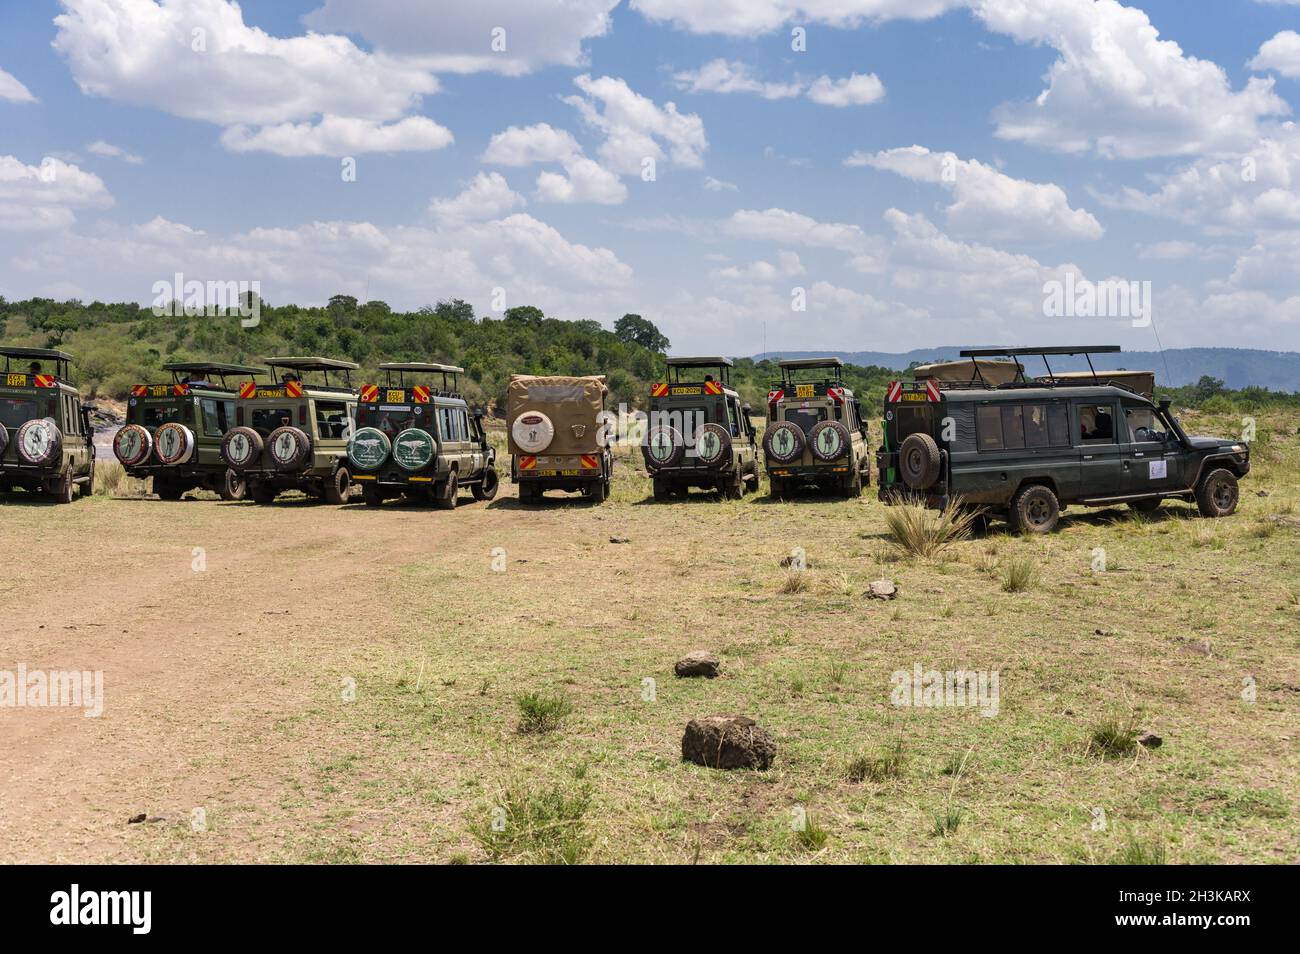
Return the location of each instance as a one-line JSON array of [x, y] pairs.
[[829, 441], [713, 445], [242, 448], [4, 439], [174, 443], [532, 432], [369, 448], [783, 442], [290, 448], [132, 445], [414, 449], [39, 442], [918, 461], [664, 446]]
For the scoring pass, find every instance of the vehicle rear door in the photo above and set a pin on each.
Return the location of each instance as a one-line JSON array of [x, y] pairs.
[[1150, 461]]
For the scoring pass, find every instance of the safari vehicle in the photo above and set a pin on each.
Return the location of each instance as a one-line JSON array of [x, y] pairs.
[[1024, 449], [699, 434], [556, 443], [420, 441], [173, 432], [47, 444], [290, 434], [815, 431]]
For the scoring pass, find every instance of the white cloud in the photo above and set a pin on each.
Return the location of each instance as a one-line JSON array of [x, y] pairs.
[[43, 197], [523, 146], [167, 232], [787, 265], [488, 196], [752, 17], [14, 91], [109, 151], [1282, 53], [339, 136], [854, 90], [584, 180], [458, 37], [719, 185], [988, 203], [1118, 89], [727, 76], [198, 59], [634, 126], [1170, 251]]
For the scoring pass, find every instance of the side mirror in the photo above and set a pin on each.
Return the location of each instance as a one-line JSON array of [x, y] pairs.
[[748, 409]]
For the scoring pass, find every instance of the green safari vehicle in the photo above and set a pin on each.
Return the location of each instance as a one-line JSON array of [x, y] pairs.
[[47, 443]]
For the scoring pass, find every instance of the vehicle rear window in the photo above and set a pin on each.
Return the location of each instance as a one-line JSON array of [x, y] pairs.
[[331, 419], [805, 417], [154, 416], [266, 419], [15, 412]]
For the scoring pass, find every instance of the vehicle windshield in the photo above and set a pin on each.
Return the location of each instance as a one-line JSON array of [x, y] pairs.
[[1144, 424], [267, 419], [15, 412]]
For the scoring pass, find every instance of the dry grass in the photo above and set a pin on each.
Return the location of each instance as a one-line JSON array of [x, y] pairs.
[[920, 531]]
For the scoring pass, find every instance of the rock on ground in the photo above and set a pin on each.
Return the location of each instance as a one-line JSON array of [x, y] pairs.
[[728, 742], [698, 664]]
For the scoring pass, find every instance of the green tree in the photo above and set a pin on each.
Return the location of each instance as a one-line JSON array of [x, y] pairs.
[[634, 329]]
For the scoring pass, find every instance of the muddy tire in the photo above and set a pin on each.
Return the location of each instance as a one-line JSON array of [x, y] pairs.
[[290, 448], [664, 447], [1146, 506], [713, 445], [1217, 493], [337, 487], [1035, 509], [784, 442], [733, 485], [446, 500], [232, 486], [242, 447], [829, 441], [918, 461], [487, 488], [39, 442]]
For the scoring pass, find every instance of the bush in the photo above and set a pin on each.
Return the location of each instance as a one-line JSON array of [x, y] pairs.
[[923, 532]]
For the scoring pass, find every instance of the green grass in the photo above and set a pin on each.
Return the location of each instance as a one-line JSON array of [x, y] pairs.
[[920, 531], [1019, 574], [537, 824], [882, 767], [540, 713]]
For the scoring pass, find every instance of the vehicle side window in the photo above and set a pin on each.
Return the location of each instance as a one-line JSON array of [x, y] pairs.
[[211, 418], [226, 415], [733, 418], [1143, 425], [1096, 424], [988, 428], [462, 425]]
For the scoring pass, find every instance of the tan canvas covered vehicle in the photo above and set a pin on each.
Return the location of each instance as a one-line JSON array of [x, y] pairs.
[[47, 444], [173, 432], [293, 434], [555, 430]]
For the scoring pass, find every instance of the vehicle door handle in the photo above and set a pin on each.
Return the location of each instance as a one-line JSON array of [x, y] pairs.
[[1087, 457], [1138, 454]]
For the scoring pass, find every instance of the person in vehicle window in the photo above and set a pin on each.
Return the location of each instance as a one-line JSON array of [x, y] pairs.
[[34, 368], [1105, 428]]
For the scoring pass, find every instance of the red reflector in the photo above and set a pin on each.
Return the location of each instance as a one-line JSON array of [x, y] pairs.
[[239, 415], [302, 415]]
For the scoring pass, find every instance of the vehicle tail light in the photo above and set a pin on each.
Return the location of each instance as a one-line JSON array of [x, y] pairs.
[[239, 416], [302, 415]]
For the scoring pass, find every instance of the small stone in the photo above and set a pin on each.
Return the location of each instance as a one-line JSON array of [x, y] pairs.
[[793, 561], [728, 742], [136, 819], [1150, 740], [881, 590], [620, 540], [1261, 493], [698, 663]]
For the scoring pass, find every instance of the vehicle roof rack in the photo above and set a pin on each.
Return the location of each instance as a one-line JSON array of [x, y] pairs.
[[323, 365], [47, 353], [828, 362], [419, 366], [210, 367], [677, 365], [1043, 352]]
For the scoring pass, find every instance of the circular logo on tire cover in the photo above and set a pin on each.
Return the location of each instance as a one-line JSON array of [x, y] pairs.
[[413, 449], [171, 444], [37, 440], [239, 448], [369, 448], [829, 442], [709, 446], [661, 445], [285, 447], [783, 442], [128, 444]]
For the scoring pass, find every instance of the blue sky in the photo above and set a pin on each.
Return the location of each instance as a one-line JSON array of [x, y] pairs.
[[916, 176]]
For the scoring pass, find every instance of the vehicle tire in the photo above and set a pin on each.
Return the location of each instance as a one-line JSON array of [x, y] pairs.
[[918, 461], [778, 487], [262, 493], [663, 489], [337, 487], [242, 447], [450, 489], [1035, 509], [751, 477], [1150, 505], [597, 490], [713, 445], [369, 448], [173, 444], [62, 491], [664, 447], [166, 490], [487, 488], [529, 494], [853, 486], [88, 488], [39, 442], [780, 448], [733, 486], [290, 448], [1216, 494], [132, 445], [828, 441], [4, 439], [233, 486], [532, 432], [372, 495]]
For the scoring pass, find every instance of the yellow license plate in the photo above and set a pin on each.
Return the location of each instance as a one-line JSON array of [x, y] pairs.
[[805, 391], [396, 397], [16, 380]]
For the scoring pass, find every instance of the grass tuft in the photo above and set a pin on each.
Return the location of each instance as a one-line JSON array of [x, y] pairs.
[[879, 768], [796, 581], [1019, 574], [541, 712], [537, 825], [926, 533], [1113, 738], [811, 836]]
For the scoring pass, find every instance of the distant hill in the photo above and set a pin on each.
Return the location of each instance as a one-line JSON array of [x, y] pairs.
[[1236, 367]]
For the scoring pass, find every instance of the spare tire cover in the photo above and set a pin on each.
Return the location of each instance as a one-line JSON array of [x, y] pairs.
[[784, 442], [713, 445], [132, 445], [664, 446], [39, 442], [290, 448], [414, 449], [829, 441], [4, 439], [369, 448], [533, 431], [174, 443], [242, 447]]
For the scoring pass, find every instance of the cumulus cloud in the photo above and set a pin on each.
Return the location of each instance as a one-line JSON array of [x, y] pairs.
[[1281, 53], [794, 228], [339, 136], [719, 185], [109, 151], [752, 17], [988, 202], [584, 180], [523, 146], [487, 196], [728, 76], [44, 197], [635, 128], [787, 265], [854, 90], [13, 91]]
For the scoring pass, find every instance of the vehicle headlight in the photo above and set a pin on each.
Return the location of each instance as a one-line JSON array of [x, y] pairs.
[[1239, 448]]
